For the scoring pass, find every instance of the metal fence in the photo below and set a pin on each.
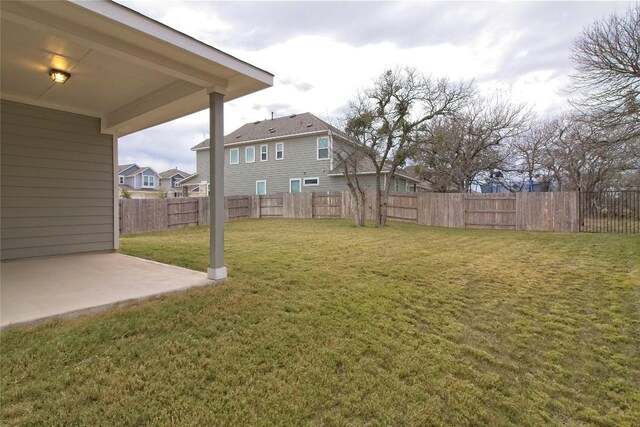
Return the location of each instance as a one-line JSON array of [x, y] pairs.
[[610, 212]]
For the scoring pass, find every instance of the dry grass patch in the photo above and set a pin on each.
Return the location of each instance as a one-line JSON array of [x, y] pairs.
[[324, 324]]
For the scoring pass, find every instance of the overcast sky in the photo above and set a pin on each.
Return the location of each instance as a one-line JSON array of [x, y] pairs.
[[321, 53]]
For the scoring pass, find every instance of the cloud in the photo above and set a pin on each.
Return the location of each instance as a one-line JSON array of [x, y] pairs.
[[299, 85], [322, 52], [277, 109]]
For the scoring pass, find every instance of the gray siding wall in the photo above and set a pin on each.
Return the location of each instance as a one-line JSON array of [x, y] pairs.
[[149, 173], [202, 166], [165, 184], [57, 183], [300, 161]]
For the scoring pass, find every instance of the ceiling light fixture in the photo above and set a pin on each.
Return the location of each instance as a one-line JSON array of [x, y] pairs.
[[59, 76]]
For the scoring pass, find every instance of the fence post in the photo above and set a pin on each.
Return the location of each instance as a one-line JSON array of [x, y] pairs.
[[254, 206]]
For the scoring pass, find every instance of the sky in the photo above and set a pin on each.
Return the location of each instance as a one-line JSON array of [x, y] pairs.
[[322, 53]]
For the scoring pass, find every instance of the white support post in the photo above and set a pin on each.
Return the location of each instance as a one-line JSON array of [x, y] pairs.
[[217, 270]]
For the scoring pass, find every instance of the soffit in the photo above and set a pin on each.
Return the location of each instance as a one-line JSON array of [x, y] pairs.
[[129, 77]]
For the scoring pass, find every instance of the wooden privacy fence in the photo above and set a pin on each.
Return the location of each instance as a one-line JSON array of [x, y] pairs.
[[515, 211]]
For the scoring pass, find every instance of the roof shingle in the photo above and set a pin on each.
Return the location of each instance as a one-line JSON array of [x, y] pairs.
[[296, 124], [171, 172]]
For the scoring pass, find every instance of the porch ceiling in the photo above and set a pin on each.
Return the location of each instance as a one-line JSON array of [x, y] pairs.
[[128, 70]]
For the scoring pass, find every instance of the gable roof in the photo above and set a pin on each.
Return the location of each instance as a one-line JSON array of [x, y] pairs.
[[173, 172], [295, 124], [122, 168], [140, 170], [189, 178]]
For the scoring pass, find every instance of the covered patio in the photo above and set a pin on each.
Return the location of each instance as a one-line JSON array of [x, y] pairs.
[[76, 76], [73, 285]]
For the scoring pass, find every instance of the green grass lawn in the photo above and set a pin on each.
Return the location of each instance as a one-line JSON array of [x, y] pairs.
[[321, 323]]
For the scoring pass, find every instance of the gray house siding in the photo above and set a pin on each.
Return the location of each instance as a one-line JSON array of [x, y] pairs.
[[149, 173], [166, 184], [300, 161], [202, 165], [57, 183]]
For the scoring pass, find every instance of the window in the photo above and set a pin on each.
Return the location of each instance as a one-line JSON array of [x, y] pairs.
[[323, 148], [250, 154], [261, 187], [234, 156], [148, 181], [264, 153], [175, 182], [294, 185], [121, 179], [311, 181], [396, 184], [279, 150], [406, 186]]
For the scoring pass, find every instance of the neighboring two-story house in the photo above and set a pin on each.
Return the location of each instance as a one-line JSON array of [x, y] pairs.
[[287, 154], [139, 182], [170, 181]]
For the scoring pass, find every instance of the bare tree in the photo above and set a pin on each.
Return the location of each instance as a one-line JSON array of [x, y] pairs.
[[607, 79], [527, 154], [582, 158], [388, 116], [455, 149], [352, 158]]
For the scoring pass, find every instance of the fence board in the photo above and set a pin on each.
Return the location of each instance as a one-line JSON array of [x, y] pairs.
[[203, 210], [547, 211], [326, 204], [238, 207], [271, 205], [522, 211], [403, 207], [182, 212], [143, 215], [298, 205], [490, 211]]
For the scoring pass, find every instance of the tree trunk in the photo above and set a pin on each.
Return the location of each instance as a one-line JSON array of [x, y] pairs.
[[378, 212], [357, 205], [384, 203]]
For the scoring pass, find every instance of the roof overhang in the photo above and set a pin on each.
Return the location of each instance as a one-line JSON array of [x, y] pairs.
[[399, 174], [128, 70]]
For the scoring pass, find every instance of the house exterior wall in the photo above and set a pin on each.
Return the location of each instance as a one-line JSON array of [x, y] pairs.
[[149, 173], [166, 183], [300, 161], [202, 165], [57, 178]]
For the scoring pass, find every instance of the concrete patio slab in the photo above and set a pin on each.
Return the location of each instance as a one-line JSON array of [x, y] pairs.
[[65, 286]]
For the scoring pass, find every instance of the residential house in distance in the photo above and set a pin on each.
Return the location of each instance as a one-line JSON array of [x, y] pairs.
[[170, 181], [284, 155], [139, 182]]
